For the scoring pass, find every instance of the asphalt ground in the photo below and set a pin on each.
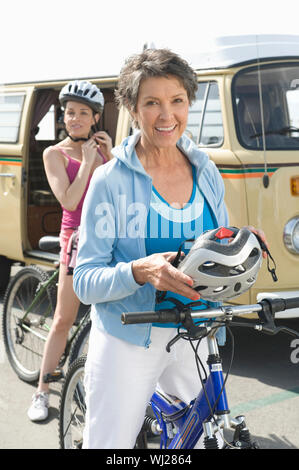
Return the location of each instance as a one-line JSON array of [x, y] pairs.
[[263, 384]]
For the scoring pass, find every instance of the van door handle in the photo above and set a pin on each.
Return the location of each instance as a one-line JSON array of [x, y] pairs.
[[7, 175]]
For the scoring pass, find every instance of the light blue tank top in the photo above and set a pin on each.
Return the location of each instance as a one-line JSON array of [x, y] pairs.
[[169, 228]]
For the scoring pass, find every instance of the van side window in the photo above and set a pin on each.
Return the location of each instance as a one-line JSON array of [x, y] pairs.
[[46, 127], [292, 97], [278, 126], [205, 120], [195, 113], [11, 105]]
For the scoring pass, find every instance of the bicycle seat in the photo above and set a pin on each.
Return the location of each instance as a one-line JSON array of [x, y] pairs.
[[49, 242]]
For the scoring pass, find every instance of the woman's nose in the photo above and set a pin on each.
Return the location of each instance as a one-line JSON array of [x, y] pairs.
[[165, 111]]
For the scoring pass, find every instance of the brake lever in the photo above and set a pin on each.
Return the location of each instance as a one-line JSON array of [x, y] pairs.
[[173, 341], [193, 330], [287, 330], [267, 324]]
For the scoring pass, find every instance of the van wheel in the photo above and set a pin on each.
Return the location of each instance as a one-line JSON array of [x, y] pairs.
[[5, 268]]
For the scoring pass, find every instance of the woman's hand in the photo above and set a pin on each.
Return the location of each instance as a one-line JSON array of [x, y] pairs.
[[261, 235], [104, 141], [89, 152], [158, 271]]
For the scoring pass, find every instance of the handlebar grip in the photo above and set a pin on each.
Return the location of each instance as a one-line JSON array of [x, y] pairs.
[[282, 304], [160, 316], [291, 302], [138, 317]]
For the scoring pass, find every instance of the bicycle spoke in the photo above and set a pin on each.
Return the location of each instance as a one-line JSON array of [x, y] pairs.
[[27, 324], [72, 407]]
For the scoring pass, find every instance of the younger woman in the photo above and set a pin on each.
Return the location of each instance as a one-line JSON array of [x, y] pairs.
[[69, 166]]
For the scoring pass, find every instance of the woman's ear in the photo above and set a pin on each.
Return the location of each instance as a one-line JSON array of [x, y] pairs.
[[133, 116], [97, 117]]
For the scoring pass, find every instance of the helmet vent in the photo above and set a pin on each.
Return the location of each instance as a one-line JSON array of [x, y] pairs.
[[209, 264], [219, 289], [237, 270], [254, 252], [237, 287]]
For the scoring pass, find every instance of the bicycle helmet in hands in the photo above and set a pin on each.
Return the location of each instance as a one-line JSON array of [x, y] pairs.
[[84, 92], [223, 271]]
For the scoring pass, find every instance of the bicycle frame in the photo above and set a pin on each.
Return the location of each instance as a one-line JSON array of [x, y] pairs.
[[72, 337], [191, 421], [41, 290]]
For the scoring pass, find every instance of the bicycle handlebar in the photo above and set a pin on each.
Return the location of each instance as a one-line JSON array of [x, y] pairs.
[[264, 308]]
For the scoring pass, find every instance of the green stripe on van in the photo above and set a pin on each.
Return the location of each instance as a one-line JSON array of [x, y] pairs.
[[246, 170], [10, 159]]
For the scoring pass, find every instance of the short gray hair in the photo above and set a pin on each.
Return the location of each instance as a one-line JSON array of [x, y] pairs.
[[153, 63]]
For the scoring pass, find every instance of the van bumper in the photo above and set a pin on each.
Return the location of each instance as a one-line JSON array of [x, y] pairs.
[[293, 313]]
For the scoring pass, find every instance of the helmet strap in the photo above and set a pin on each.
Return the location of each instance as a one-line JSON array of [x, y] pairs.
[[264, 247], [272, 271], [160, 295], [77, 139]]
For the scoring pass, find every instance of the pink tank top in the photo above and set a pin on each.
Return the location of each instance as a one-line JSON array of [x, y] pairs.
[[71, 219]]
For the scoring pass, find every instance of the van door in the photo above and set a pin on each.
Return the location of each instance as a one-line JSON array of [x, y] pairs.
[[270, 206], [15, 104], [208, 127], [42, 211]]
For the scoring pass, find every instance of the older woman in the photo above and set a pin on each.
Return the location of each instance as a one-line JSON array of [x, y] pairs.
[[159, 191]]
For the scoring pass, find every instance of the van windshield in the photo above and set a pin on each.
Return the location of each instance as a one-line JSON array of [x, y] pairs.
[[280, 104]]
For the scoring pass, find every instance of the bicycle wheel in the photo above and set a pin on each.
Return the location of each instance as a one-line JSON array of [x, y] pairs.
[[25, 335], [80, 343], [72, 410], [72, 407]]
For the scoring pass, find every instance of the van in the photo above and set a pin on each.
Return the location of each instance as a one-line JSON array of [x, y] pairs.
[[246, 117], [31, 119]]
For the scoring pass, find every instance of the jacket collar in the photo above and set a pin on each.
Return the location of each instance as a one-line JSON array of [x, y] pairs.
[[125, 152]]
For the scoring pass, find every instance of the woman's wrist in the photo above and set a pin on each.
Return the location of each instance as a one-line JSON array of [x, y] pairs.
[[138, 272], [86, 164]]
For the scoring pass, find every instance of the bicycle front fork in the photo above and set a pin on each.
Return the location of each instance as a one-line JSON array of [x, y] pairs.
[[221, 419], [241, 438]]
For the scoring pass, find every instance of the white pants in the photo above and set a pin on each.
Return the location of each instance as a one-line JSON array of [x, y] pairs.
[[120, 379]]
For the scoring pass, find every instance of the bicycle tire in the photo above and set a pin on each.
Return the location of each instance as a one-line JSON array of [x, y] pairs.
[[80, 343], [24, 347], [72, 407]]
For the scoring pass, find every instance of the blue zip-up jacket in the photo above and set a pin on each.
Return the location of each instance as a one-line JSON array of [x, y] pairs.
[[112, 231]]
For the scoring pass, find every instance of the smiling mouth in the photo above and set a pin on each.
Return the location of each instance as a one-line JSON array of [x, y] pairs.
[[166, 129]]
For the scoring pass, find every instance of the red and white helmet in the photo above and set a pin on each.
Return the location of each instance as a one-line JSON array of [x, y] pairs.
[[221, 271]]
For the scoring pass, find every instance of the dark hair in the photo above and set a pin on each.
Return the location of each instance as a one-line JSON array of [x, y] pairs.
[[153, 63]]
